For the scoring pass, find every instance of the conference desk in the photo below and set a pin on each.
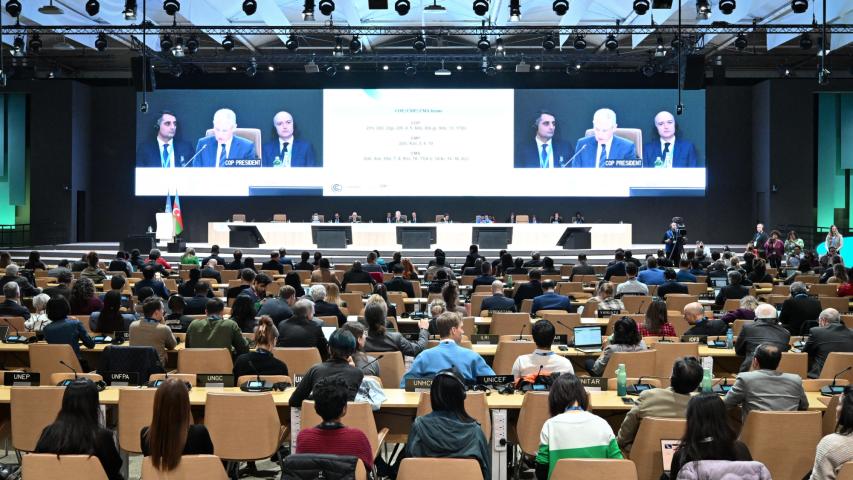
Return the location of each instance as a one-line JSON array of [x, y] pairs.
[[449, 236]]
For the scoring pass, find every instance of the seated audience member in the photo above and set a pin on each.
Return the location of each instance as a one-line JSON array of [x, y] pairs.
[[136, 260], [662, 402], [300, 331], [694, 315], [172, 433], [448, 431], [372, 264], [440, 264], [11, 306], [799, 309], [64, 287], [831, 335], [580, 268], [215, 331], [144, 292], [83, 300], [381, 340], [708, 436], [155, 258], [237, 263], [572, 431], [631, 286], [38, 319], [177, 320], [258, 289], [550, 300], [764, 388], [188, 288], [151, 331], [117, 284], [548, 267], [149, 281], [671, 284], [366, 363], [293, 279], [243, 312], [324, 273], [189, 258], [214, 255], [656, 323], [759, 273], [836, 449], [450, 295], [536, 260], [197, 304], [273, 263], [305, 263], [517, 268], [651, 275], [439, 280], [279, 308], [342, 345], [331, 436], [410, 271], [684, 274], [435, 309], [473, 270], [626, 338], [400, 284], [27, 290], [110, 319], [604, 299], [396, 259], [249, 263], [733, 291], [247, 278], [210, 271], [34, 262], [92, 271], [617, 266], [542, 357], [62, 329], [448, 354], [498, 302], [77, 429], [761, 331], [61, 266], [261, 361], [322, 308], [473, 256], [746, 311], [485, 277]]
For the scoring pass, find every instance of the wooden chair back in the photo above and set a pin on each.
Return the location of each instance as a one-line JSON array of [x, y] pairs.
[[45, 358], [637, 364], [507, 353], [504, 323], [667, 353], [637, 303], [135, 410], [67, 467], [532, 416], [298, 359], [433, 468], [842, 304], [192, 467], [785, 442], [675, 302], [205, 360], [794, 363], [359, 287], [835, 362], [582, 468], [231, 418], [33, 408], [353, 302], [646, 450], [391, 367]]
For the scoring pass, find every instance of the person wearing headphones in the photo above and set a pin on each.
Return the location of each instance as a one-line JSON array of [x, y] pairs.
[[164, 151], [545, 151]]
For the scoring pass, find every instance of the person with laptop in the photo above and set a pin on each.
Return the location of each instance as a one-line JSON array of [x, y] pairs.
[[662, 402], [626, 338], [764, 388], [542, 357], [763, 330], [550, 300], [733, 291], [694, 315], [151, 330]]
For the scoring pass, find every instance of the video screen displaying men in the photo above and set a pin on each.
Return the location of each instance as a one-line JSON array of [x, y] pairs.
[[285, 151], [164, 150], [544, 151], [603, 145], [224, 148], [669, 152]]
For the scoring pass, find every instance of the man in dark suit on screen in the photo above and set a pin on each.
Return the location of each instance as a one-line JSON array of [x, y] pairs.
[[545, 151], [603, 145], [670, 151], [285, 151], [164, 151], [223, 148]]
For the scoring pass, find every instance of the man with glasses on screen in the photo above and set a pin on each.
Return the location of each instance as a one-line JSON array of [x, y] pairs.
[[164, 151], [285, 151], [669, 151], [223, 148], [545, 151], [598, 150]]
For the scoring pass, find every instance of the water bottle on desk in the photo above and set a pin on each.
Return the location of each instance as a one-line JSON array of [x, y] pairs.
[[730, 338], [621, 380], [706, 380]]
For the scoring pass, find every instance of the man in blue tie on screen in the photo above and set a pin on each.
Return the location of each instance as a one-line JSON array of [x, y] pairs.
[[546, 151], [285, 150], [603, 145], [669, 151], [223, 148], [165, 151]]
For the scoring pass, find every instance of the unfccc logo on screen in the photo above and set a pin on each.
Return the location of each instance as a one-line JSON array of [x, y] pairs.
[[337, 187]]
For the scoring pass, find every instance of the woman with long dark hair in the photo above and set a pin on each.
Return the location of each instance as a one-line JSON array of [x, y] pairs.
[[243, 312], [110, 319], [836, 449], [626, 338], [35, 262], [292, 279], [77, 429], [656, 323], [363, 361], [83, 300], [172, 433]]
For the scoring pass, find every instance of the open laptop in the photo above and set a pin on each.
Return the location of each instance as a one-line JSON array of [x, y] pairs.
[[328, 331], [588, 339], [667, 451]]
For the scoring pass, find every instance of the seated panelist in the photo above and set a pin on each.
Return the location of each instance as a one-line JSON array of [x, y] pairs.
[[223, 148], [603, 147], [285, 150], [671, 150]]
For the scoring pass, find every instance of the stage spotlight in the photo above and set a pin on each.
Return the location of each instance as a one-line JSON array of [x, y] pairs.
[[648, 70], [50, 9], [228, 43], [271, 68], [799, 6], [741, 41], [641, 6], [129, 11], [176, 70], [499, 45], [346, 67], [573, 69], [420, 43], [171, 7], [252, 68], [660, 50], [727, 6], [165, 43], [402, 7], [410, 70], [481, 7], [490, 71], [338, 50], [18, 46], [327, 7], [250, 7], [580, 43], [13, 8], [192, 45], [308, 11], [806, 42], [560, 7], [355, 45], [611, 43], [484, 44], [548, 42], [385, 68], [35, 43], [703, 9], [514, 10], [443, 72], [101, 42], [93, 7], [291, 43], [233, 68], [785, 71], [178, 49]]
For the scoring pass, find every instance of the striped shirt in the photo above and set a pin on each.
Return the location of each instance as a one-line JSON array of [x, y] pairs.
[[576, 434], [832, 452]]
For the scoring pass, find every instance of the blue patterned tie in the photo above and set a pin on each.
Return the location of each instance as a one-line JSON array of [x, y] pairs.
[[222, 155], [543, 157], [165, 155], [603, 156]]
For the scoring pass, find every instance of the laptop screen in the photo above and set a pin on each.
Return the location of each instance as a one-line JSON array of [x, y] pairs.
[[720, 281], [667, 450], [587, 336]]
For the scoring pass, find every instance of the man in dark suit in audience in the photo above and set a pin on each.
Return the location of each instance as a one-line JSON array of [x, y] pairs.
[[799, 309], [273, 263], [356, 275], [301, 331], [535, 260], [148, 281], [120, 264], [498, 302], [603, 145], [279, 307], [11, 306], [764, 330], [322, 308], [694, 315], [762, 388], [544, 151], [223, 148], [164, 151], [831, 335], [733, 291], [237, 264], [210, 271], [617, 266], [669, 150], [197, 304], [247, 278], [285, 151], [214, 254], [64, 287], [485, 277], [531, 289], [671, 285], [304, 264], [550, 300], [400, 284], [581, 268]]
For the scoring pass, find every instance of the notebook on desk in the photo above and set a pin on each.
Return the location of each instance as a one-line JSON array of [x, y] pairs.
[[588, 339]]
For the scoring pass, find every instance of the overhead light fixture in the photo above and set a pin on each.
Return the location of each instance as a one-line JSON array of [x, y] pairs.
[[129, 11], [420, 43], [13, 8], [499, 45], [339, 47], [18, 46], [327, 7], [410, 70], [484, 44], [93, 7], [806, 42], [443, 72], [250, 7], [799, 6], [580, 43], [178, 49], [727, 6], [522, 67], [228, 42], [291, 43], [252, 68], [785, 71], [402, 7], [434, 8], [50, 9], [560, 7], [171, 7], [741, 42], [514, 10], [660, 50], [308, 11], [641, 6], [35, 43], [176, 70], [385, 68], [192, 45], [548, 42], [537, 67], [355, 45], [703, 9], [346, 67], [458, 68], [573, 68], [648, 70], [330, 71], [271, 68], [481, 7], [233, 68], [488, 68], [312, 67], [101, 42], [165, 43], [611, 43]]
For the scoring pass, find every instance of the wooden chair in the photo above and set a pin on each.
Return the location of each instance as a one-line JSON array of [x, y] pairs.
[[506, 354], [694, 288], [15, 323], [842, 304], [666, 355], [231, 418], [229, 276], [205, 360], [190, 378], [238, 217], [438, 468], [637, 303], [33, 408], [824, 289], [637, 364], [279, 217], [568, 321], [67, 467], [192, 467], [353, 302], [61, 377], [391, 367], [846, 472], [359, 416], [477, 302], [329, 320], [585, 278], [298, 359], [847, 320], [638, 318], [731, 305], [785, 442], [675, 302], [135, 410], [527, 305], [507, 323], [617, 279], [646, 451], [815, 384], [522, 219], [45, 358], [830, 417], [359, 287], [835, 362], [737, 325], [808, 279], [475, 406], [583, 468], [794, 363], [532, 416]]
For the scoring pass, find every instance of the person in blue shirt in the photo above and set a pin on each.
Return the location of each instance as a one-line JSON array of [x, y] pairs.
[[62, 329], [684, 273], [448, 354], [551, 300], [652, 275]]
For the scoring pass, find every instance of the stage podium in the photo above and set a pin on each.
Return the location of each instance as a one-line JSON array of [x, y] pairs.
[[165, 226]]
